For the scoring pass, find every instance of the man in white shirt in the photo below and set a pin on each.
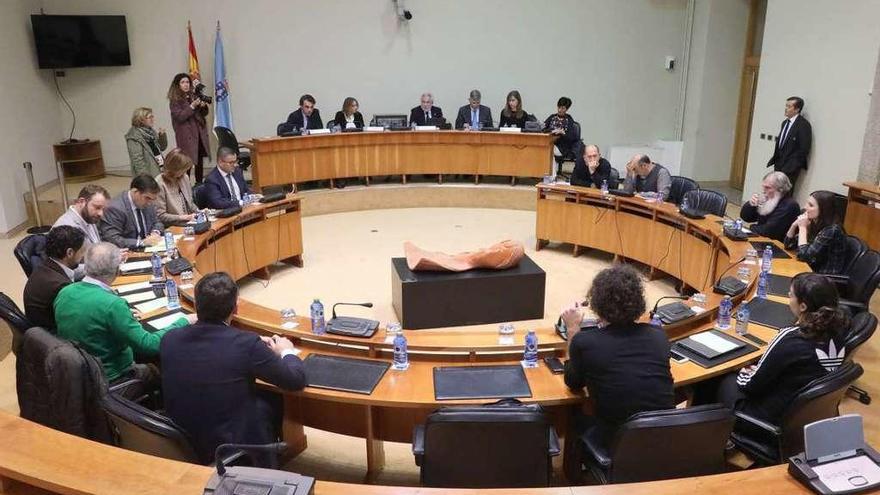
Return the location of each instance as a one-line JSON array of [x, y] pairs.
[[794, 141], [65, 248], [225, 186], [86, 212], [130, 220]]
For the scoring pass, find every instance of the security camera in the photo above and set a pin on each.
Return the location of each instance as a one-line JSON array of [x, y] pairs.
[[402, 13]]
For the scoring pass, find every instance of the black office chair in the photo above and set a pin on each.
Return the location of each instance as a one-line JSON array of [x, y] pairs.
[[819, 399], [860, 330], [855, 248], [707, 201], [858, 284], [840, 203], [30, 252], [492, 446], [656, 445], [198, 195], [15, 319], [680, 186], [225, 137], [575, 151], [613, 179]]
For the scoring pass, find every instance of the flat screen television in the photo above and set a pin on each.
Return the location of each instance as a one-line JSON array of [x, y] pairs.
[[65, 41]]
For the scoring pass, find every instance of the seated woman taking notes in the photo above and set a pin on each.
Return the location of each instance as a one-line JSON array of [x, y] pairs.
[[174, 203], [349, 117], [513, 115]]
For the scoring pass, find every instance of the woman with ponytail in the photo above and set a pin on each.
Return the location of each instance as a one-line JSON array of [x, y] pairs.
[[796, 356]]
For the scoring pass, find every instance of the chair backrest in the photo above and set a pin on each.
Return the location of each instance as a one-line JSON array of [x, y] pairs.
[[142, 430], [855, 248], [60, 385], [861, 329], [816, 400], [613, 179], [30, 252], [15, 319], [707, 201], [493, 446], [672, 443], [840, 204], [199, 195], [680, 186], [577, 130], [225, 137], [864, 275]]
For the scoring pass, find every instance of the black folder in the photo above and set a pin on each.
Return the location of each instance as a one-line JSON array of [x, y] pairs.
[[770, 313], [778, 252], [480, 382], [707, 358], [343, 373], [778, 285]]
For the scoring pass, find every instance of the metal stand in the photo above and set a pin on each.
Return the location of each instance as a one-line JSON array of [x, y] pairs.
[[40, 228], [60, 171]]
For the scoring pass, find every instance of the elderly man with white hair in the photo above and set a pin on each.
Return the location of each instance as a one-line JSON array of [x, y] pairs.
[[92, 315], [426, 110], [773, 209]]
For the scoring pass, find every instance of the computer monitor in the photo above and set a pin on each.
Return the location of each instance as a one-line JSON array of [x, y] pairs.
[[390, 120]]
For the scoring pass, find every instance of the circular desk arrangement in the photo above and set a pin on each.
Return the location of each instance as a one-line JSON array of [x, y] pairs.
[[694, 251]]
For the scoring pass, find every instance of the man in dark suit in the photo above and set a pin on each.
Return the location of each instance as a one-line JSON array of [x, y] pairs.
[[305, 117], [773, 210], [794, 141], [65, 247], [473, 115], [426, 110], [225, 186], [209, 371], [130, 220]]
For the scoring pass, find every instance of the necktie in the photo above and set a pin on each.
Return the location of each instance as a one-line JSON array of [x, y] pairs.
[[427, 116], [231, 187], [142, 229], [474, 118], [784, 133], [305, 122]]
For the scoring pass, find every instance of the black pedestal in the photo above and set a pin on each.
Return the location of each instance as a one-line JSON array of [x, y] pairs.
[[444, 299]]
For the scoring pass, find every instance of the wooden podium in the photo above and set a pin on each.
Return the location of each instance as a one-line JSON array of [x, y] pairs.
[[862, 212], [81, 161]]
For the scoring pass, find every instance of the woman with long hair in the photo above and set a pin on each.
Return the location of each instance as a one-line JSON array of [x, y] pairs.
[[145, 144], [349, 117], [513, 113], [188, 114], [174, 203], [818, 235]]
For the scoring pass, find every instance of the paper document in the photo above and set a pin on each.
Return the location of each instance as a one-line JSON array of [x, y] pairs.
[[126, 288], [150, 306], [848, 474], [135, 265], [140, 297], [713, 342], [166, 321]]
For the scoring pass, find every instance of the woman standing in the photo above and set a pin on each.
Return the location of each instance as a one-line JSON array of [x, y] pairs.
[[174, 203], [145, 144], [349, 117], [188, 113]]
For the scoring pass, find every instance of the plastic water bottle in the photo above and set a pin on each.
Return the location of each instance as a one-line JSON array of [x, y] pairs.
[[763, 282], [724, 310], [288, 318], [169, 240], [738, 225], [401, 357], [742, 319], [316, 311], [530, 355], [684, 203], [656, 321], [744, 273], [171, 294], [767, 259], [156, 263], [604, 187]]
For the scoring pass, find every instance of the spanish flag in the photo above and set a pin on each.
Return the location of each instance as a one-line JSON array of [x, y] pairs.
[[193, 57]]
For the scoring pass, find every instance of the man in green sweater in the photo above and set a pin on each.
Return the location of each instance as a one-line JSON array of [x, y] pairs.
[[92, 315]]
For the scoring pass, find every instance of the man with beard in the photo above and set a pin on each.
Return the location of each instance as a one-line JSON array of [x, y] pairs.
[[773, 210], [86, 212], [65, 249]]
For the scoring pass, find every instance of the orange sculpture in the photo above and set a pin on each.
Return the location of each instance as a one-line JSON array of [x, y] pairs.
[[500, 256]]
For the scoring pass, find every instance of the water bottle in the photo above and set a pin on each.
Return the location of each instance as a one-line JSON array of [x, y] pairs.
[[742, 319], [684, 203], [604, 187], [724, 310], [656, 321], [738, 225], [763, 282], [401, 358], [767, 259], [744, 273], [316, 311], [171, 294], [288, 318], [169, 240], [530, 355], [156, 263]]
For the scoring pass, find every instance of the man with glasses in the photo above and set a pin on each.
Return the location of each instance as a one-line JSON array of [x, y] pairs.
[[130, 220], [421, 114], [474, 115], [225, 186]]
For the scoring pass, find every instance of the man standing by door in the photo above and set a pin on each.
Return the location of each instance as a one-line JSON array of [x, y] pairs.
[[794, 141]]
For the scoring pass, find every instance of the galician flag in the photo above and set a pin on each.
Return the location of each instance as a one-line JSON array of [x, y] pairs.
[[222, 107], [193, 58]]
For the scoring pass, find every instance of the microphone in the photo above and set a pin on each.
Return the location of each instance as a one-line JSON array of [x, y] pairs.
[[654, 310], [730, 286], [366, 305], [272, 448]]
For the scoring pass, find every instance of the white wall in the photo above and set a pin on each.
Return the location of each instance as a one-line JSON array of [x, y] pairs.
[[29, 121], [824, 51], [606, 55]]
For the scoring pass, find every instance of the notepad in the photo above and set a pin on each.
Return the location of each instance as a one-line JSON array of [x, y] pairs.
[[374, 128], [140, 297], [510, 129], [713, 342], [150, 306], [167, 320], [426, 127], [135, 265], [848, 474], [126, 288]]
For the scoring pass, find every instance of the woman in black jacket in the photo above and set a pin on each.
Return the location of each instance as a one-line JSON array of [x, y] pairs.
[[513, 114], [349, 117]]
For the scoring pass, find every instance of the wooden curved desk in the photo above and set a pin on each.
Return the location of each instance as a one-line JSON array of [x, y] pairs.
[[654, 234], [290, 160], [38, 460]]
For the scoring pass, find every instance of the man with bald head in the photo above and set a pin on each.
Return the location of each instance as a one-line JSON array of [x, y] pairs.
[[590, 168], [425, 111], [643, 175]]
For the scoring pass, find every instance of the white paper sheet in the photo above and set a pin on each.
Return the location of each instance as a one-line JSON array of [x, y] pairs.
[[134, 265], [140, 297], [713, 342], [166, 321], [126, 288], [847, 474], [151, 306]]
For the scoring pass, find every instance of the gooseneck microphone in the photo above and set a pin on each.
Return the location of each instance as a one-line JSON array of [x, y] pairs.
[[729, 286], [272, 448], [366, 305], [656, 304]]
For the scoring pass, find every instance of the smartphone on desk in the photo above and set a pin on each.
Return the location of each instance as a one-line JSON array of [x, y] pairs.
[[555, 365], [677, 357]]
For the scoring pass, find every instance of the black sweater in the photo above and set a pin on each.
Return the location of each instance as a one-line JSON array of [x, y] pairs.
[[581, 175], [776, 224]]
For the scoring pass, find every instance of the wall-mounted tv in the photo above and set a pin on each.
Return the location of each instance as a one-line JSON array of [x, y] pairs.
[[65, 41]]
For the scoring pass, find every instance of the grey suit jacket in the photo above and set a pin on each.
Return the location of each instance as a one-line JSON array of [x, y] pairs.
[[464, 116], [119, 225]]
